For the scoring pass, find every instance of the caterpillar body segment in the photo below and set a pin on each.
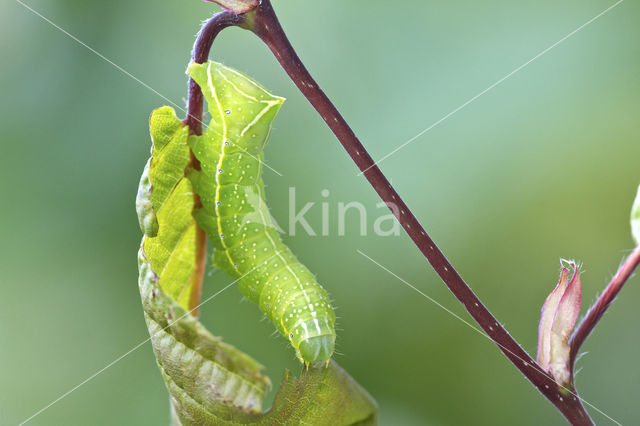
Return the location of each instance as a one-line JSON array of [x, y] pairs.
[[235, 216]]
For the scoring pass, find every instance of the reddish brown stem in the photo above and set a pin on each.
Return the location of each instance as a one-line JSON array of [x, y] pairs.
[[264, 23], [598, 309], [200, 54], [198, 274]]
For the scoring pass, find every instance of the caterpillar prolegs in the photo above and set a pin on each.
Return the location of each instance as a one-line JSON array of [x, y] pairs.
[[236, 218]]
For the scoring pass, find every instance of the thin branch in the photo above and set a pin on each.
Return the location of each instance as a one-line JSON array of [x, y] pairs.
[[598, 309], [199, 55], [264, 23], [197, 278]]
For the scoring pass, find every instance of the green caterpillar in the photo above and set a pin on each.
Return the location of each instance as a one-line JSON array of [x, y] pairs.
[[236, 218]]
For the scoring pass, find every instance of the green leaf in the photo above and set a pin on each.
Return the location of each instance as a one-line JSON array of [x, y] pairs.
[[322, 396], [166, 197], [635, 218], [208, 380]]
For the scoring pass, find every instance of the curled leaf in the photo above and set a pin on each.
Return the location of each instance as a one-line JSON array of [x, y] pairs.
[[558, 317], [207, 379], [166, 212]]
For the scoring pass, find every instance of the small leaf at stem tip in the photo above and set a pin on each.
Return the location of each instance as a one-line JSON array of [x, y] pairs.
[[635, 218], [558, 317], [236, 6]]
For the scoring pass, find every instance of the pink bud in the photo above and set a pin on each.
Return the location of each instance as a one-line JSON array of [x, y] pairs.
[[559, 314]]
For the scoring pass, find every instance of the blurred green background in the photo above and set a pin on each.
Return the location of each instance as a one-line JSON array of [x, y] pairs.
[[543, 166]]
